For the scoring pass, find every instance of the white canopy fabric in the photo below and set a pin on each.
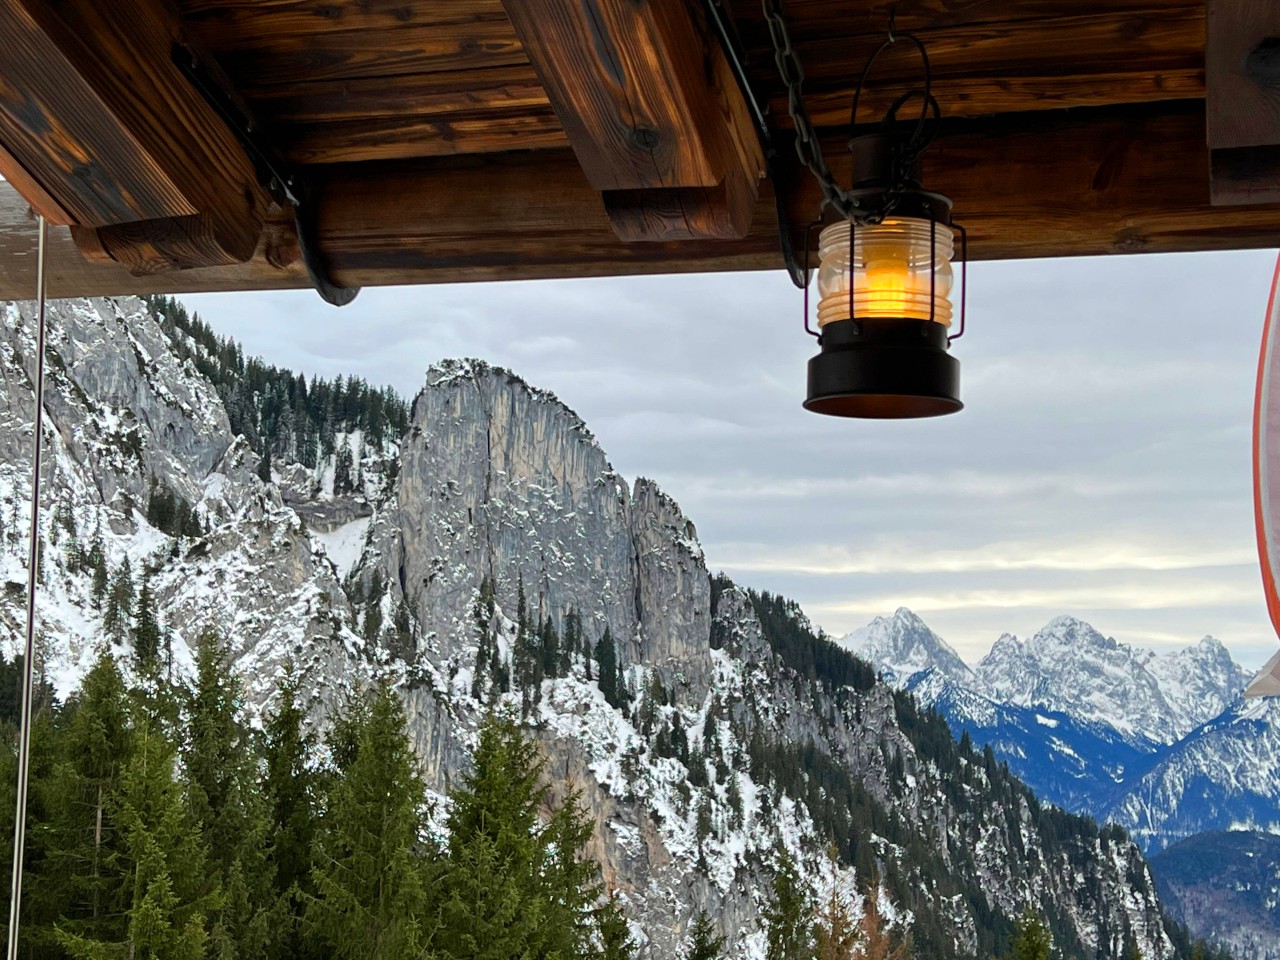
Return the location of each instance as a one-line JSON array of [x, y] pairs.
[[1267, 682], [1266, 481]]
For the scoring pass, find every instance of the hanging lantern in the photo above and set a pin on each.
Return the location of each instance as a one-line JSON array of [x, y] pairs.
[[885, 281], [885, 310]]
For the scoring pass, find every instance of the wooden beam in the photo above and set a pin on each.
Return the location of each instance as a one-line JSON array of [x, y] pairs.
[[1094, 58], [1039, 185], [105, 127], [648, 102], [420, 115], [1242, 66]]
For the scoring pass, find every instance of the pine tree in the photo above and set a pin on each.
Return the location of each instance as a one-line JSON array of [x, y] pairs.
[[146, 631], [836, 934], [293, 794], [512, 885], [97, 562], [615, 934], [370, 901], [342, 480], [482, 612], [372, 627], [549, 642], [225, 799], [1032, 939], [878, 943], [704, 942], [119, 603], [526, 663], [788, 916], [166, 892], [606, 655], [80, 883]]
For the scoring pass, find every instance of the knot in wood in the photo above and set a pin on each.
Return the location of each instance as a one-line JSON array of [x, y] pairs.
[[1263, 62], [645, 138]]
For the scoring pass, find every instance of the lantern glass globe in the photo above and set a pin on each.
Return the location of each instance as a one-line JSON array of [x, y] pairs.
[[899, 269]]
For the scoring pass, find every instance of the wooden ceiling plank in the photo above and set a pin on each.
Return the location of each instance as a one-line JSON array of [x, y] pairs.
[[41, 200], [1086, 183], [402, 138], [514, 87], [97, 114], [1242, 100], [986, 95], [1077, 60], [227, 24], [390, 52], [619, 76], [850, 19]]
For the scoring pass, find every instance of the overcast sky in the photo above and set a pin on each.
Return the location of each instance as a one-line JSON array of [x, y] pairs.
[[1101, 467]]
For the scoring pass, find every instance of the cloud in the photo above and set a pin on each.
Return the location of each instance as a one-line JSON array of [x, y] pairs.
[[1101, 466], [1100, 555]]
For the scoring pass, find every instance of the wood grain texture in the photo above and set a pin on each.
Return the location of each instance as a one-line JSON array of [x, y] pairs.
[[1099, 58], [628, 81], [648, 103], [228, 24], [827, 19], [41, 200], [422, 115], [347, 54], [302, 101], [64, 132], [1092, 182], [1242, 68], [116, 135], [401, 138]]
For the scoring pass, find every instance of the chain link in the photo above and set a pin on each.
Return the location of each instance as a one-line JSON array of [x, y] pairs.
[[808, 144]]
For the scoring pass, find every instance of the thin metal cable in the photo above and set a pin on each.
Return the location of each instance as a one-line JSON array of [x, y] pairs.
[[28, 663]]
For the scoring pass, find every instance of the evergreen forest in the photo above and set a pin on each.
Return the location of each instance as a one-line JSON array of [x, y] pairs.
[[282, 415], [164, 826]]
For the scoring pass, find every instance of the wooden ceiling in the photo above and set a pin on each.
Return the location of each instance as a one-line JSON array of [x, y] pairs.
[[448, 140]]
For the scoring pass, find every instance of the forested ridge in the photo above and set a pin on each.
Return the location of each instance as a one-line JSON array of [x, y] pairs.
[[858, 824], [281, 414]]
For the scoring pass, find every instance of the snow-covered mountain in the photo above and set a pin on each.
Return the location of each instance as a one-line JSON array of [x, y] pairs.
[[902, 646], [1160, 744], [1071, 668], [734, 730]]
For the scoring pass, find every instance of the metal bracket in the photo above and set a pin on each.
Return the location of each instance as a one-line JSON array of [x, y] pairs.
[[285, 183]]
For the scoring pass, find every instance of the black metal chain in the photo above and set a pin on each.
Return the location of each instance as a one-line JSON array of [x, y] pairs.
[[808, 144]]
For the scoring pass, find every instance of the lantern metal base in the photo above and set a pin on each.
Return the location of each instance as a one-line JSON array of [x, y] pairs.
[[884, 370]]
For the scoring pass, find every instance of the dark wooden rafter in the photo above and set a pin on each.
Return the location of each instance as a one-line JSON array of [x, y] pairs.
[[1242, 67], [652, 111], [106, 134], [1036, 185]]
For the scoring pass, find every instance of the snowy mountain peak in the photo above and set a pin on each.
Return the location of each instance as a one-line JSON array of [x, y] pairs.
[[903, 645], [1072, 668], [1072, 632]]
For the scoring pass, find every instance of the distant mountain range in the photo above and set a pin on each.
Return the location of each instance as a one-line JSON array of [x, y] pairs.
[[1161, 744]]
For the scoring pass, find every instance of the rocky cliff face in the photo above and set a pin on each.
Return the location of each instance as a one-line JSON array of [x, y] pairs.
[[736, 732]]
